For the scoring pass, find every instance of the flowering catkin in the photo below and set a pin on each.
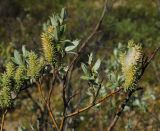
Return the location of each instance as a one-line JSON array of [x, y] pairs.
[[130, 61], [47, 38]]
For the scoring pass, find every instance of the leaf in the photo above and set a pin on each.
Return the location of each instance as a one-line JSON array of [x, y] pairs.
[[24, 51], [71, 52], [72, 47], [63, 14], [85, 77], [96, 65], [85, 69], [17, 58], [90, 59], [75, 42], [69, 48], [56, 33]]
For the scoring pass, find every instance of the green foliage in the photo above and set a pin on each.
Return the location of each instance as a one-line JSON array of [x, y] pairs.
[[113, 68], [27, 66]]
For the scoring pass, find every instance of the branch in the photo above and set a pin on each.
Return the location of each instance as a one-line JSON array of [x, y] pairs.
[[51, 86], [55, 125], [118, 114], [3, 118], [148, 60], [93, 104], [75, 59], [88, 39], [33, 100]]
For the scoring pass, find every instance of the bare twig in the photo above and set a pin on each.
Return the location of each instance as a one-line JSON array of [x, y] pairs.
[[55, 125], [118, 114], [3, 118], [33, 100], [51, 87], [95, 103], [148, 60]]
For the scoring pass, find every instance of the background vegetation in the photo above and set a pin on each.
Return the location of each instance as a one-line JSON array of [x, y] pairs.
[[21, 23]]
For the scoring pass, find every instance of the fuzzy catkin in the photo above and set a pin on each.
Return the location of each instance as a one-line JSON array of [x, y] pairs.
[[130, 62], [47, 38]]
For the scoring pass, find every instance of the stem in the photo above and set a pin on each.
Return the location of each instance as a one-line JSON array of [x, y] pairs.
[[75, 59], [93, 104], [55, 125], [118, 114], [3, 119]]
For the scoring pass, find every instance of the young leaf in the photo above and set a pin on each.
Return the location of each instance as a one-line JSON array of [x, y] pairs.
[[90, 59], [96, 65], [69, 48], [24, 51], [85, 69], [63, 13], [17, 58], [72, 47]]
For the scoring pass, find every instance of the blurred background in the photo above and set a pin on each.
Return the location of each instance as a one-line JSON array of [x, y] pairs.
[[21, 24]]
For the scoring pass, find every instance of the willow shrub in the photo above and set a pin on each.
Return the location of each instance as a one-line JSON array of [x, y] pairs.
[[27, 69]]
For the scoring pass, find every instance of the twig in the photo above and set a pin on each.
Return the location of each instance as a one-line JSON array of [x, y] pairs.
[[73, 62], [51, 88], [75, 94], [148, 60], [33, 100], [118, 114], [83, 45], [93, 104], [3, 118], [55, 125]]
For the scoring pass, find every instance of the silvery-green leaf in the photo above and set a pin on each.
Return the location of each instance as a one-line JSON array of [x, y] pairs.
[[69, 48], [85, 69], [90, 59], [96, 65], [85, 77], [71, 52], [17, 58], [63, 13], [24, 51], [56, 33], [75, 43]]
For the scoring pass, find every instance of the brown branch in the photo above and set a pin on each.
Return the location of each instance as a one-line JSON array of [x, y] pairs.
[[52, 84], [88, 39], [33, 100], [74, 95], [55, 125], [93, 104], [118, 114], [3, 118], [75, 59], [148, 60]]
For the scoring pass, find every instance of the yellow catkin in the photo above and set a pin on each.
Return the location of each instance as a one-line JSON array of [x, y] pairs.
[[129, 62], [18, 76], [47, 44], [10, 69], [5, 96], [34, 65]]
